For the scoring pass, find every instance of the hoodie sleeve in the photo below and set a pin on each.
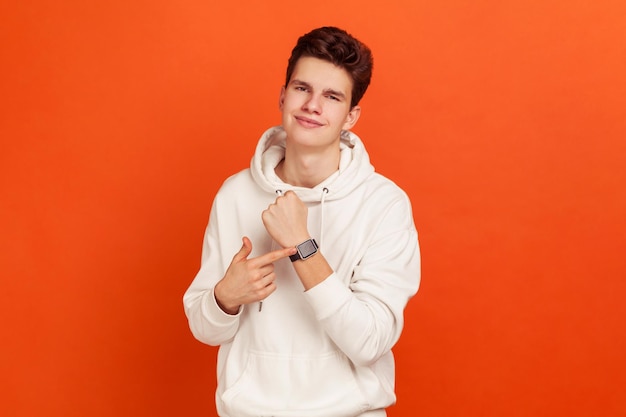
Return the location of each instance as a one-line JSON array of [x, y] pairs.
[[366, 319], [208, 323]]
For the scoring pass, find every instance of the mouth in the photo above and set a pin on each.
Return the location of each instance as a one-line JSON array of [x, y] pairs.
[[306, 122]]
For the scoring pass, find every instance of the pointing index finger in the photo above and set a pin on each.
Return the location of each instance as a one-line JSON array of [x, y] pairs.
[[273, 256]]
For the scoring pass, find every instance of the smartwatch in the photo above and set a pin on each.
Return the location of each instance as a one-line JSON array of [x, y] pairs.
[[305, 249]]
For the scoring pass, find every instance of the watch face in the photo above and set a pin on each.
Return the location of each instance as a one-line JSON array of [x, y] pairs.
[[307, 248]]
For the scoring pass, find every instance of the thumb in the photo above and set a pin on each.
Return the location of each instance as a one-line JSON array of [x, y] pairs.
[[245, 250]]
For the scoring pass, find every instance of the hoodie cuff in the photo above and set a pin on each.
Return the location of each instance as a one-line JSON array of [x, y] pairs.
[[212, 311], [328, 296]]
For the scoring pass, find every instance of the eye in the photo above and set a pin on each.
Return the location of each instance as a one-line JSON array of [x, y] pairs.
[[300, 88]]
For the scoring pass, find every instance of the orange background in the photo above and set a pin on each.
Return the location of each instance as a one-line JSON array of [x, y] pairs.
[[505, 121]]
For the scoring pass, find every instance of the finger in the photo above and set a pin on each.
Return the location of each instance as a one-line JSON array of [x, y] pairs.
[[292, 195], [266, 291], [245, 250], [265, 270], [273, 256], [266, 280]]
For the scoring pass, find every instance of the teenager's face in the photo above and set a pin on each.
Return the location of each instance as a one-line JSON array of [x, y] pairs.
[[316, 103]]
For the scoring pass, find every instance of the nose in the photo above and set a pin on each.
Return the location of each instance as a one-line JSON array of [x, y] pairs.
[[313, 104]]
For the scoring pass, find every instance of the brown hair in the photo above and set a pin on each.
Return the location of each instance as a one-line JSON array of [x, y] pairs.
[[340, 48]]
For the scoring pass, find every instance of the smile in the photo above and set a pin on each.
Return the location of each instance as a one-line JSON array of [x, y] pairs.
[[306, 122]]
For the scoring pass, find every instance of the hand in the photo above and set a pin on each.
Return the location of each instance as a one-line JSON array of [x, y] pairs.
[[248, 280], [286, 220]]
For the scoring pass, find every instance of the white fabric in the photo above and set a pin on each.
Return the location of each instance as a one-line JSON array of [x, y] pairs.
[[323, 352]]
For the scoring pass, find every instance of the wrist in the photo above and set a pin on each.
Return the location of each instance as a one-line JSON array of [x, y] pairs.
[[298, 240], [225, 307]]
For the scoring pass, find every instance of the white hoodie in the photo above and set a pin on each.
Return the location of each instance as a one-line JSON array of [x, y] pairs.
[[325, 352]]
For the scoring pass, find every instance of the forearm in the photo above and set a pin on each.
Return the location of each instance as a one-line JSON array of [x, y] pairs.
[[346, 319], [359, 324], [313, 270], [363, 311]]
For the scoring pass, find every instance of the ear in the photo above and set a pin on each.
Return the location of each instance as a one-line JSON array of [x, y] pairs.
[[352, 118], [281, 98]]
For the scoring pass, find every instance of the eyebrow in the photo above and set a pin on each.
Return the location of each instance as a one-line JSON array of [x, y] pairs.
[[327, 91]]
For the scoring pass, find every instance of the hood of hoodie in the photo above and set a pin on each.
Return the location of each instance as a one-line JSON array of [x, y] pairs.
[[354, 167]]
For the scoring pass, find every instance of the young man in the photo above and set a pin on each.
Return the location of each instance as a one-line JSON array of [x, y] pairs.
[[309, 257]]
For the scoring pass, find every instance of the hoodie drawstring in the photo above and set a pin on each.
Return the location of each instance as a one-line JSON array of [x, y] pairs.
[[324, 193]]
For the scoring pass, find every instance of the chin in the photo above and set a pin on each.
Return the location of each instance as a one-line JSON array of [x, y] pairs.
[[300, 133]]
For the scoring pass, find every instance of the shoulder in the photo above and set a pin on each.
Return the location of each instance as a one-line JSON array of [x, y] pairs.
[[238, 187], [240, 182], [384, 202], [241, 178], [383, 188]]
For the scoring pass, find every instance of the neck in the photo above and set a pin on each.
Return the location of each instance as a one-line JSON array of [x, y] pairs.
[[307, 170]]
